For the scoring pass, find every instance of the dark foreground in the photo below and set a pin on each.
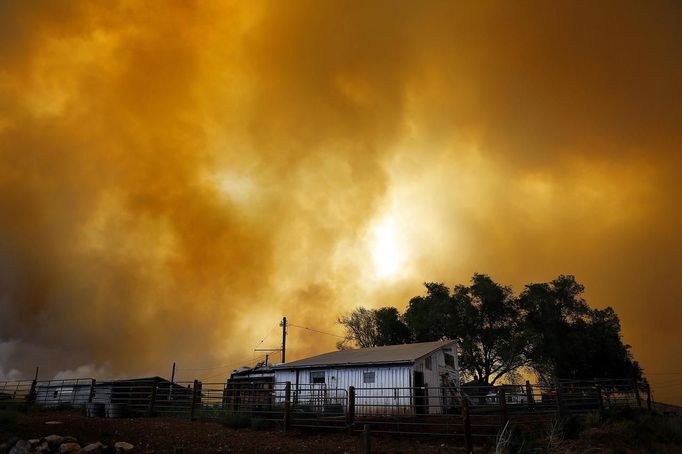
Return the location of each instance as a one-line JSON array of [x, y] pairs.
[[160, 435], [627, 432]]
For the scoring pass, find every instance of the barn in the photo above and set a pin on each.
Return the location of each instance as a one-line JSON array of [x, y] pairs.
[[407, 378]]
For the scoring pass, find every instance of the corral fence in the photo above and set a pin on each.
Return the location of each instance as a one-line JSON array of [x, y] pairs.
[[468, 413]]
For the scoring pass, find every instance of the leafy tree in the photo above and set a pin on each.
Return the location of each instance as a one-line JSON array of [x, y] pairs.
[[432, 317], [391, 329], [483, 318], [568, 339], [490, 334]]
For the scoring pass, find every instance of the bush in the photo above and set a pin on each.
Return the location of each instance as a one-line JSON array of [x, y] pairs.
[[658, 429], [8, 420], [262, 424], [593, 420], [236, 421]]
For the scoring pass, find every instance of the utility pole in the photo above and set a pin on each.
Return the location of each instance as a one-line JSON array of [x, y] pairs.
[[267, 355], [284, 339], [173, 373], [283, 324]]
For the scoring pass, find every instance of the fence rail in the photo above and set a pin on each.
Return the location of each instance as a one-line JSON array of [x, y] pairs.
[[466, 413]]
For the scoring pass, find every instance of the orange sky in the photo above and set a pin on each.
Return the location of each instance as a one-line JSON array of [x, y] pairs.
[[175, 177]]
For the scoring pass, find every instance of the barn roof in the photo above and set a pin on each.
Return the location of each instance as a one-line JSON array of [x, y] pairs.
[[389, 354]]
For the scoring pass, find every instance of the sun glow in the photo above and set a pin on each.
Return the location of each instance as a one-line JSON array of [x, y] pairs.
[[387, 252]]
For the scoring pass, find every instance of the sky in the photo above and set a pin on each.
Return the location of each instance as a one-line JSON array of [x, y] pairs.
[[177, 176]]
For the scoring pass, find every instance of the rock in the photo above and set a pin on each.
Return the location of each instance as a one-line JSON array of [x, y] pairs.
[[122, 446], [70, 439], [52, 423], [34, 442], [54, 440], [21, 447], [93, 448], [43, 448], [4, 448], [69, 447]]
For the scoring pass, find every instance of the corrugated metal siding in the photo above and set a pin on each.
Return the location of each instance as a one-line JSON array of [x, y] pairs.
[[390, 390]]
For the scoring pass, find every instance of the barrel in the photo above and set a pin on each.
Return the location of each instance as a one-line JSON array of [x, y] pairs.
[[94, 410], [115, 410]]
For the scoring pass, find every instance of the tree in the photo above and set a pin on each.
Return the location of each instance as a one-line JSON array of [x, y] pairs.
[[483, 318], [568, 339], [373, 327], [490, 334], [361, 329], [432, 317], [391, 329]]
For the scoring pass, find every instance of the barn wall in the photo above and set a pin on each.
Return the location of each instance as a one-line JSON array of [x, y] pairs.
[[52, 396], [437, 396], [390, 390]]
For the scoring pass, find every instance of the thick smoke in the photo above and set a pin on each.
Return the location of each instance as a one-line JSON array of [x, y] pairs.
[[176, 177]]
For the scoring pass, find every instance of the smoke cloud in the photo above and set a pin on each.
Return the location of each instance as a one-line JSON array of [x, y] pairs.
[[175, 177]]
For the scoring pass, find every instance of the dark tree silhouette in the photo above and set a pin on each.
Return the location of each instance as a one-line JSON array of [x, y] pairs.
[[548, 329], [391, 329], [567, 339]]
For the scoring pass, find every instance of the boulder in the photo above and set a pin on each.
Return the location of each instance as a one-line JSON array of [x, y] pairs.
[[54, 440], [34, 442], [122, 446], [70, 439], [21, 447], [69, 447], [93, 448]]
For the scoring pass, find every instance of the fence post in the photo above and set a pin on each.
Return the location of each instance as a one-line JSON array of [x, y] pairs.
[[529, 396], [502, 395], [287, 406], [600, 398], [648, 396], [468, 445], [366, 433], [426, 399], [635, 385], [32, 392], [92, 390], [152, 397], [194, 400], [350, 416], [559, 399]]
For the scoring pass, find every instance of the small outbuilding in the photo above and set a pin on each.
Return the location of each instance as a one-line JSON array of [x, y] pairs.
[[407, 379]]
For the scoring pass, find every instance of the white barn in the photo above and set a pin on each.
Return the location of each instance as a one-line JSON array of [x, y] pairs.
[[406, 379]]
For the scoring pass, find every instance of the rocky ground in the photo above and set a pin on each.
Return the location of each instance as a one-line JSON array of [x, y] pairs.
[[159, 435]]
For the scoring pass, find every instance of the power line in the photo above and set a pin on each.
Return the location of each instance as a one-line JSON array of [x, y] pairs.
[[265, 337], [224, 365], [316, 331], [221, 375]]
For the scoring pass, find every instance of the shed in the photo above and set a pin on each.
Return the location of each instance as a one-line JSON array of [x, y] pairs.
[[408, 378]]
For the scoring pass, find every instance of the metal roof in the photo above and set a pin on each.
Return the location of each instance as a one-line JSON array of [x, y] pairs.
[[389, 354]]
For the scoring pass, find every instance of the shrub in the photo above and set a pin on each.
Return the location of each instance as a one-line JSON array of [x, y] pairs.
[[236, 421], [262, 424], [8, 420], [593, 420]]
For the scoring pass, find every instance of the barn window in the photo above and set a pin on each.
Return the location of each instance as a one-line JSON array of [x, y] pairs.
[[368, 377], [449, 360], [317, 377], [427, 362], [56, 393]]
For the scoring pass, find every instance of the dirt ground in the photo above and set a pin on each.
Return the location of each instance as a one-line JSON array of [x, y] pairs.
[[160, 435]]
